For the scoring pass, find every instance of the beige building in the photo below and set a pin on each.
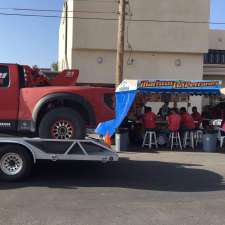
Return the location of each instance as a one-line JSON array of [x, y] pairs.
[[154, 49], [159, 49], [214, 60]]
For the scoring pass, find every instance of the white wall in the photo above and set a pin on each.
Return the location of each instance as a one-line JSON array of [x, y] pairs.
[[217, 39], [146, 35], [145, 66]]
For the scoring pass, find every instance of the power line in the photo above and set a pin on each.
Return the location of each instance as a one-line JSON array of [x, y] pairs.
[[111, 19], [54, 16], [55, 10]]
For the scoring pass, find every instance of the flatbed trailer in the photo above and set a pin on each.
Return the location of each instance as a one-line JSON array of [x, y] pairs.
[[19, 155]]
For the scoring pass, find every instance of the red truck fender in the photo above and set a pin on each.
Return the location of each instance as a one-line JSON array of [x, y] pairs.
[[78, 103]]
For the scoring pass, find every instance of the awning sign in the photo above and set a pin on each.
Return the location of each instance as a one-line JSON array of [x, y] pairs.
[[178, 84]]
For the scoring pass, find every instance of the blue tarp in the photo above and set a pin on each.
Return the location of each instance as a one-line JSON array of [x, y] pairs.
[[126, 92], [124, 101]]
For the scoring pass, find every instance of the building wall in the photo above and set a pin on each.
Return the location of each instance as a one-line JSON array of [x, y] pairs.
[[145, 66], [65, 60], [217, 45], [146, 35], [217, 39], [155, 45]]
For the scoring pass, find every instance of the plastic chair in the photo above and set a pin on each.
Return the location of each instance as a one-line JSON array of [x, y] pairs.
[[220, 137], [150, 139], [189, 139], [198, 134], [175, 140]]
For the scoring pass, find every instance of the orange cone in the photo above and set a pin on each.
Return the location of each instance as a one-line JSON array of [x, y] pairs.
[[108, 139]]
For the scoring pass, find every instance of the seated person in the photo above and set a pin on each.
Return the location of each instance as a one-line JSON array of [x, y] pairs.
[[196, 117], [187, 122], [174, 120], [149, 118], [131, 116]]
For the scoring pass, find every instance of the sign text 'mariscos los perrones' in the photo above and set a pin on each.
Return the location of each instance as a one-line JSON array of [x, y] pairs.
[[177, 84]]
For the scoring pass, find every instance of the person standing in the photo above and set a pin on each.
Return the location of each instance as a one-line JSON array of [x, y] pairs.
[[196, 117]]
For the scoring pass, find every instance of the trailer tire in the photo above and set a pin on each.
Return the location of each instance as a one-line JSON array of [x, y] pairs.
[[62, 123], [15, 163]]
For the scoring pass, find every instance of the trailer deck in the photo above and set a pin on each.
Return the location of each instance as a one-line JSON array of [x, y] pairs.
[[18, 155]]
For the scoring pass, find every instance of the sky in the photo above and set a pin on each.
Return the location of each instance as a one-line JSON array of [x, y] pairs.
[[34, 41]]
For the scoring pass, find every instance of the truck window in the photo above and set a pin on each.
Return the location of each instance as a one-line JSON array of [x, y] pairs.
[[4, 76], [21, 76]]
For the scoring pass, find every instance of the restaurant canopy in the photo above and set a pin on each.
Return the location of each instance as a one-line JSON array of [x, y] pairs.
[[127, 90]]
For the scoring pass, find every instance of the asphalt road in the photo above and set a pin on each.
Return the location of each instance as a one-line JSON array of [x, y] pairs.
[[166, 188]]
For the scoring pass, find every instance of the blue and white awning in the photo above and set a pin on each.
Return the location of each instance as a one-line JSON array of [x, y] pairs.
[[127, 90]]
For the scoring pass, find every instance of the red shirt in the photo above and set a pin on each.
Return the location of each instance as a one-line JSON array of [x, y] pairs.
[[187, 121], [197, 119], [174, 122], [149, 120]]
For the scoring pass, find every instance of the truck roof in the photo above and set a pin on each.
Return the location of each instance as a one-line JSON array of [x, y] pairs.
[[9, 64]]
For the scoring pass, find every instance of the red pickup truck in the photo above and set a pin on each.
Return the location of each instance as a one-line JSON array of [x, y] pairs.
[[57, 109]]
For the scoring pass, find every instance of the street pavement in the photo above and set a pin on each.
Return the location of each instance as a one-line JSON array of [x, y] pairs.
[[161, 188]]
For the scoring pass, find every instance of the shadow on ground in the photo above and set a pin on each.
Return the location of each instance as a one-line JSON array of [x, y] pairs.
[[146, 175]]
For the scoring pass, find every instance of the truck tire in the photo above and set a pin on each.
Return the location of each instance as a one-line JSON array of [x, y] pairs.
[[15, 163], [62, 123]]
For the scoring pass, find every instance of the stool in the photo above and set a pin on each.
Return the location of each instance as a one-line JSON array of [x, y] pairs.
[[198, 136], [175, 140], [150, 139], [189, 137]]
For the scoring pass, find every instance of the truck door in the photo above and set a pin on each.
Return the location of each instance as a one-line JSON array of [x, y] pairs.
[[9, 97]]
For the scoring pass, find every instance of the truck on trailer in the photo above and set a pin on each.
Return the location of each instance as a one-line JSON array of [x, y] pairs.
[[55, 109]]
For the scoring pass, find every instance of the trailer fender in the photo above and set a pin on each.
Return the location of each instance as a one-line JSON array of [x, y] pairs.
[[20, 143]]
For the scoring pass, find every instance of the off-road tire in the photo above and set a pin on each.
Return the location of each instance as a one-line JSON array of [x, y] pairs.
[[62, 114]]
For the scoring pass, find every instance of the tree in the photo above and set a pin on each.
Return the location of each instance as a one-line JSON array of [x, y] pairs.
[[55, 67]]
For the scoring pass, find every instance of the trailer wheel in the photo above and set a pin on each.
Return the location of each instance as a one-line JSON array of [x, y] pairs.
[[15, 163], [62, 123]]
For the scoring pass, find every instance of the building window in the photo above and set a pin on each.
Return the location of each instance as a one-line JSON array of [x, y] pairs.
[[215, 57], [4, 76]]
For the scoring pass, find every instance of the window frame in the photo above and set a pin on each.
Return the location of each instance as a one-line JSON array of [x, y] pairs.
[[9, 80]]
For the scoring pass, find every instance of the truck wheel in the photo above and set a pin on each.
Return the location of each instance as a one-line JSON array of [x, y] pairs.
[[62, 123], [15, 163]]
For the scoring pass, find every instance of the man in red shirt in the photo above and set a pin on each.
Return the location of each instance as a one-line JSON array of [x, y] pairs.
[[187, 122], [196, 117], [149, 119], [174, 120]]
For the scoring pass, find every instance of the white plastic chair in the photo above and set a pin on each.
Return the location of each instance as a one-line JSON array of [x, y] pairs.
[[220, 137], [150, 139], [189, 139], [175, 140]]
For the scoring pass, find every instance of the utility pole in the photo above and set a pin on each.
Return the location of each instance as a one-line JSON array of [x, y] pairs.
[[120, 43]]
